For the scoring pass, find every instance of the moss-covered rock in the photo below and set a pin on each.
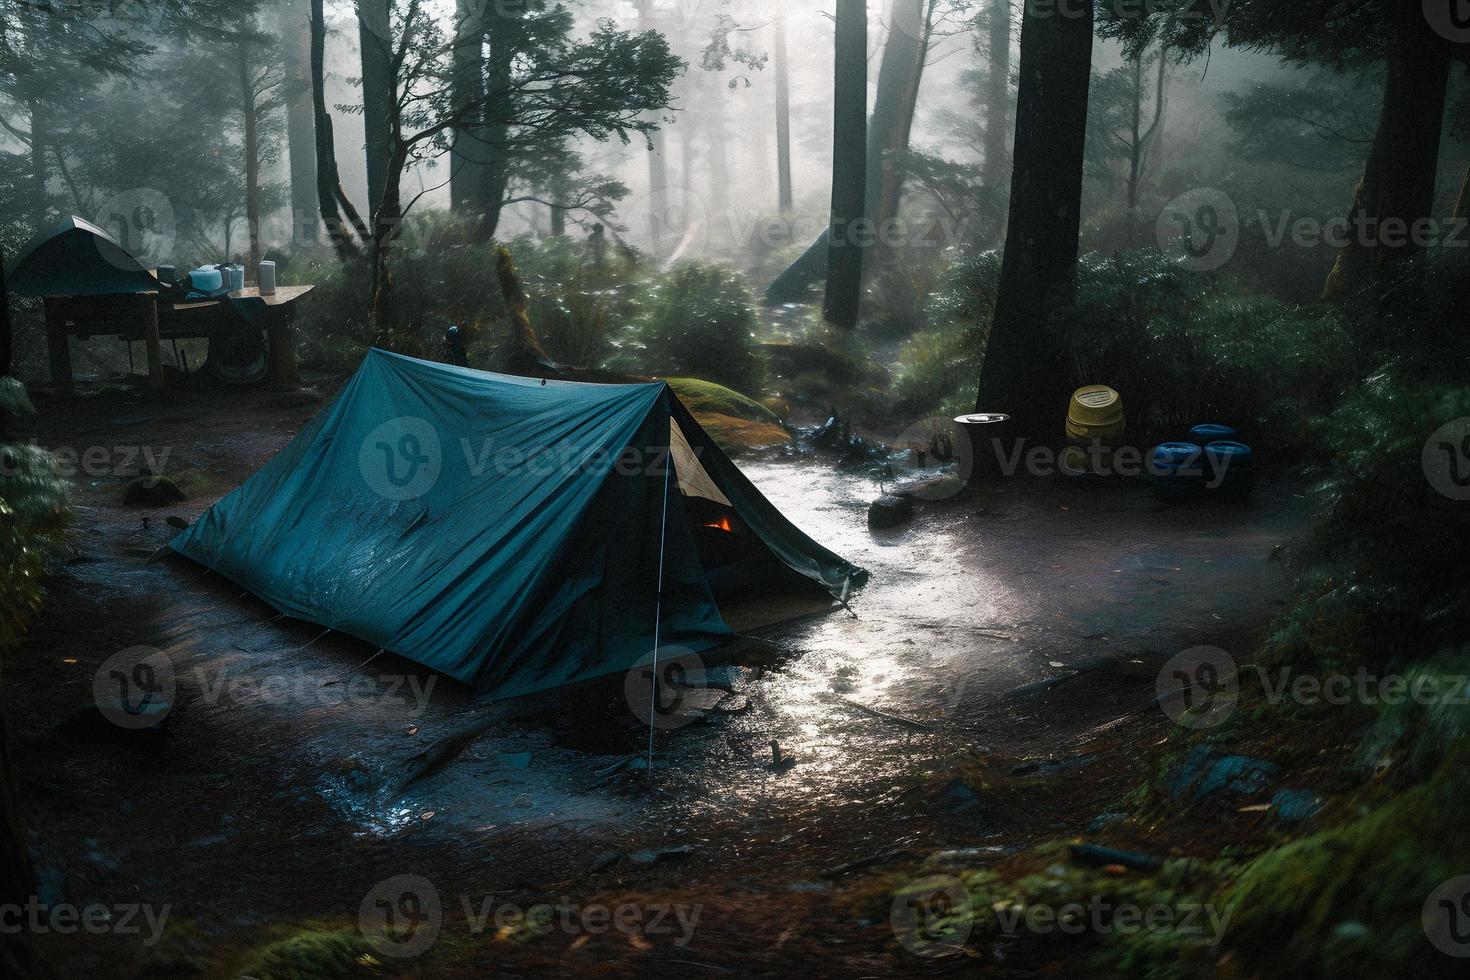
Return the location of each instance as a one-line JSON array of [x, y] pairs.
[[314, 954], [708, 398], [734, 435], [1348, 901], [735, 421]]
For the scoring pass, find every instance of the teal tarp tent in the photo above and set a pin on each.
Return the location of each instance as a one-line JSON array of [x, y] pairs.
[[76, 258], [507, 531]]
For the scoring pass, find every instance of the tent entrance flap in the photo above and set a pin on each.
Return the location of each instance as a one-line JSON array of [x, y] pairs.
[[738, 563]]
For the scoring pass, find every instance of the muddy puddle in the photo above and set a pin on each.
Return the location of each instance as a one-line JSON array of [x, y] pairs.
[[966, 602]]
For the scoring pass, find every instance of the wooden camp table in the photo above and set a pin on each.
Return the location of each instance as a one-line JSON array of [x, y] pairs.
[[141, 316]]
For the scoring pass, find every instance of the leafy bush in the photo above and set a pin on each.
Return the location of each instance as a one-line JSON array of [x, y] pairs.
[[580, 301], [1386, 579], [700, 321], [939, 366], [1181, 351], [441, 277], [901, 289], [1174, 344], [33, 516]]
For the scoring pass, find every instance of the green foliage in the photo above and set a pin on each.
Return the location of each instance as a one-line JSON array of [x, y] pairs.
[[580, 302], [583, 296], [1347, 902], [703, 397], [700, 320], [332, 330], [936, 370], [901, 289], [1138, 925], [1181, 350], [33, 516], [937, 367], [14, 399], [1178, 346], [1387, 579], [336, 954]]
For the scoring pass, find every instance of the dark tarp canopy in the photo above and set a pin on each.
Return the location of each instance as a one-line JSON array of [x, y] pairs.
[[76, 258], [507, 531]]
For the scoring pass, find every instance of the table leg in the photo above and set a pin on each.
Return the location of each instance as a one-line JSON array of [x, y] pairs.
[[283, 350], [58, 347], [148, 309]]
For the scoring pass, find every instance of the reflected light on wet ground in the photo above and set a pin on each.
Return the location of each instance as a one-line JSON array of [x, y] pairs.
[[973, 597]]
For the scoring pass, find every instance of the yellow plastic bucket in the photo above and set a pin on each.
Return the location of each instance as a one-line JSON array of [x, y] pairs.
[[1095, 412]]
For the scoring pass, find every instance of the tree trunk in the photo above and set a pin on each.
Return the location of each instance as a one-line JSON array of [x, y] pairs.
[[7, 341], [1023, 373], [783, 113], [328, 183], [527, 356], [899, 76], [997, 96], [898, 79], [250, 126], [375, 34], [296, 44], [658, 195], [387, 220], [1154, 158], [495, 170], [468, 88], [1397, 188], [846, 233], [40, 137], [1141, 140]]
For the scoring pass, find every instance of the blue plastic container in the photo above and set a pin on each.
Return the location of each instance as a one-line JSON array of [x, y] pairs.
[[1177, 469], [1208, 432], [206, 279], [1230, 466]]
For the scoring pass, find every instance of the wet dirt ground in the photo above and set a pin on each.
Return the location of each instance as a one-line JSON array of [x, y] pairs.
[[296, 770]]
